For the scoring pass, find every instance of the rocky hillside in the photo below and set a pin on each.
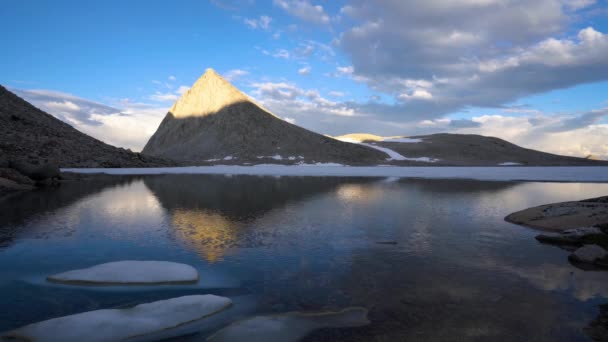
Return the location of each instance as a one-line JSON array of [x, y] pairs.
[[466, 150], [29, 135], [214, 121]]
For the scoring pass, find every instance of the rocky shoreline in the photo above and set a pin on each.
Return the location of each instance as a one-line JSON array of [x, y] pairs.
[[580, 227]]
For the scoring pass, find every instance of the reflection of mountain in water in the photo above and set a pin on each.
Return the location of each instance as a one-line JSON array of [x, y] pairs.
[[210, 213], [209, 234], [19, 208]]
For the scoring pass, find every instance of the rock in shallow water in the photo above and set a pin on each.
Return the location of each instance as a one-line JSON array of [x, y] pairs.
[[130, 272], [589, 254], [122, 324], [288, 327]]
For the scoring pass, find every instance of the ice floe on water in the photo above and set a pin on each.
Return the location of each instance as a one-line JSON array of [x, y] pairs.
[[523, 173], [510, 164], [130, 272], [122, 324], [288, 327]]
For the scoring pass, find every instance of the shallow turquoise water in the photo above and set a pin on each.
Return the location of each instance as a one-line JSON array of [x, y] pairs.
[[456, 272]]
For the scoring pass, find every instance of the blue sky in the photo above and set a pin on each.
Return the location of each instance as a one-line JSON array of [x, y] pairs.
[[535, 73]]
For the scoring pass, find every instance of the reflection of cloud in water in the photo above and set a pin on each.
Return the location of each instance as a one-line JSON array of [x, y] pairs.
[[132, 202], [584, 285], [361, 193], [209, 234]]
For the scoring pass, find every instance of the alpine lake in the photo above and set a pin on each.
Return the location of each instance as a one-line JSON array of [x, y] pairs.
[[432, 260]]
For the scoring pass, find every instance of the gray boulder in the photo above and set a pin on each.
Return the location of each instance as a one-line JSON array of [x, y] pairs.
[[591, 254]]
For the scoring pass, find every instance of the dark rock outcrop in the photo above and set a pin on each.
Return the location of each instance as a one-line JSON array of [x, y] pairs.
[[29, 136]]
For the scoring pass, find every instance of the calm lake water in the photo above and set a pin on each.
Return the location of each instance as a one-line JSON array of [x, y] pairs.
[[278, 244]]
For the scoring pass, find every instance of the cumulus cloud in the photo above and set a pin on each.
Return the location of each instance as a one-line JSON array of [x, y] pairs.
[[304, 10], [64, 106], [128, 127], [441, 57]]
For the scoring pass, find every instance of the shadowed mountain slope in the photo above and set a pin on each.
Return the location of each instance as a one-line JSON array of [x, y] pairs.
[[215, 121], [29, 134]]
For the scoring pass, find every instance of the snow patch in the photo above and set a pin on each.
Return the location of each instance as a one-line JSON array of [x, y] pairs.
[[122, 324], [403, 140], [130, 272], [229, 158], [393, 155], [277, 157]]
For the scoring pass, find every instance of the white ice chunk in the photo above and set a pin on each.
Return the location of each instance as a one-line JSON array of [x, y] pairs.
[[123, 324], [289, 327], [130, 272], [510, 164]]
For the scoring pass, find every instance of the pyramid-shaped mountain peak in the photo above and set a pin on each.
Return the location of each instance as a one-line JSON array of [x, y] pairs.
[[209, 94], [214, 120]]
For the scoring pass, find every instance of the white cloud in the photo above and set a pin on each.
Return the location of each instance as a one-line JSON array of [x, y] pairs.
[[172, 78], [163, 97], [63, 105], [233, 74], [279, 53], [305, 70], [182, 89], [290, 120], [336, 94], [304, 10], [128, 127], [578, 4], [417, 94], [263, 22]]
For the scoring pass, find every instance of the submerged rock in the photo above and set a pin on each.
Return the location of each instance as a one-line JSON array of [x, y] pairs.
[[592, 254], [130, 272], [122, 324], [289, 327], [598, 329]]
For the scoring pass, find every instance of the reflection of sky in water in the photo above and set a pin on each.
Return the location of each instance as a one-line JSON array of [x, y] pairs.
[[312, 243]]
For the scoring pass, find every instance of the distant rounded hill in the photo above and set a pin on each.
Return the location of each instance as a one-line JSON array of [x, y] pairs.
[[28, 134], [468, 150], [215, 121]]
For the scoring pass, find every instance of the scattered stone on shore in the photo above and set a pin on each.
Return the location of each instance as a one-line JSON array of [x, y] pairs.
[[598, 328], [123, 324], [130, 272], [591, 254], [560, 216], [289, 327]]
